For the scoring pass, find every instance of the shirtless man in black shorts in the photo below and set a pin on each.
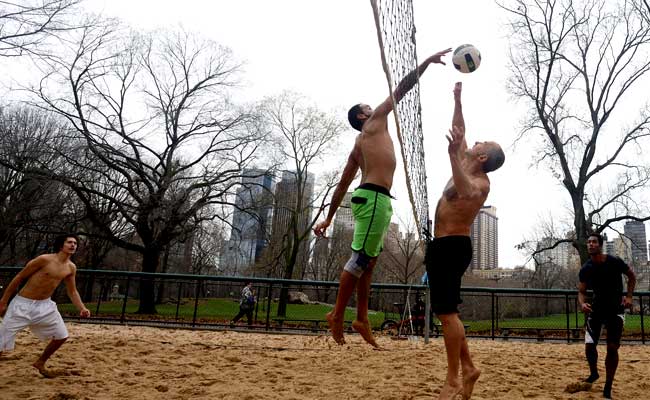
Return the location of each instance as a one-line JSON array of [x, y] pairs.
[[602, 273], [450, 252]]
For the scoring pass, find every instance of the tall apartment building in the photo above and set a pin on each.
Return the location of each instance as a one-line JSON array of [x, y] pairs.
[[623, 248], [558, 255], [484, 233], [293, 202], [251, 221], [343, 219], [635, 231]]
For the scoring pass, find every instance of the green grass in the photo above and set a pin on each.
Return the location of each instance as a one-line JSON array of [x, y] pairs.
[[555, 321], [223, 310], [218, 310]]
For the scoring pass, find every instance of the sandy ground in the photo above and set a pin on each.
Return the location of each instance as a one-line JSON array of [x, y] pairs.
[[122, 362]]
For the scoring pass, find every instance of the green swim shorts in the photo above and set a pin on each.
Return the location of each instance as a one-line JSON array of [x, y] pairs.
[[372, 210]]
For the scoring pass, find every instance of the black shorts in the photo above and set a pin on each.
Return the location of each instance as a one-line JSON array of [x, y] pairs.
[[447, 260], [613, 323]]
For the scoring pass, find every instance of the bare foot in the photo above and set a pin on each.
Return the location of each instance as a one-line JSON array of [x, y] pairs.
[[364, 330], [336, 327], [449, 391], [44, 371], [469, 379]]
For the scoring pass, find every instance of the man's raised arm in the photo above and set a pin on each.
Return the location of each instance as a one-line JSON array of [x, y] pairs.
[[466, 187], [457, 119], [408, 82]]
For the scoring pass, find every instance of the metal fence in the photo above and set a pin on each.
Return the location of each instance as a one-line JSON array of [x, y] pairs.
[[210, 302]]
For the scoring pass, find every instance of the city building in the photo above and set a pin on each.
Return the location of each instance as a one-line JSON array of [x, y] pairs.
[[293, 209], [252, 213], [563, 254], [635, 231], [623, 248], [484, 233], [343, 219]]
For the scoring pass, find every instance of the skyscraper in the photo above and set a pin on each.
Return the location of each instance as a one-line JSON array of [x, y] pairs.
[[343, 219], [635, 230], [293, 210], [559, 255], [251, 221], [484, 233]]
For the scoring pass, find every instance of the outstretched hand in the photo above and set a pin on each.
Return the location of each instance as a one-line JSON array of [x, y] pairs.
[[321, 228], [437, 58], [455, 138]]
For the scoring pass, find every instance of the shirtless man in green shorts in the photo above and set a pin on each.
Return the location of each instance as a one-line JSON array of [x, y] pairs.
[[32, 306], [374, 154]]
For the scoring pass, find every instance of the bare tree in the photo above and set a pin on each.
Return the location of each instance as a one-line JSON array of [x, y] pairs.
[[207, 246], [154, 111], [26, 25], [31, 208], [328, 258], [403, 258], [575, 64], [303, 137]]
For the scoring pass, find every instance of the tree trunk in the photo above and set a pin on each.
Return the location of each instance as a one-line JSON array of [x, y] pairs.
[[581, 226], [147, 285], [288, 274], [161, 285]]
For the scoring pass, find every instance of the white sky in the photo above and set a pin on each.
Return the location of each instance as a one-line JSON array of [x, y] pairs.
[[328, 51]]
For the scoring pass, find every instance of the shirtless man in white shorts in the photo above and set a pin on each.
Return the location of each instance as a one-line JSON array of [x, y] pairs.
[[32, 306]]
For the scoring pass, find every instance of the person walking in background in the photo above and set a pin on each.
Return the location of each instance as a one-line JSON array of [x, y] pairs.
[[246, 305]]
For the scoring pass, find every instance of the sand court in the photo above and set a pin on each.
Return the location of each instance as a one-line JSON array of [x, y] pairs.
[[124, 362]]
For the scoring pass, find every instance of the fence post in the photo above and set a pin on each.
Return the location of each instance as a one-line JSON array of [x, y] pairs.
[[642, 311], [126, 296], [99, 299], [269, 290], [178, 299], [496, 307], [427, 316], [568, 318], [196, 302], [575, 305], [493, 315]]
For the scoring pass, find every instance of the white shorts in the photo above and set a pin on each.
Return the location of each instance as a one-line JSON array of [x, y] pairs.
[[41, 316]]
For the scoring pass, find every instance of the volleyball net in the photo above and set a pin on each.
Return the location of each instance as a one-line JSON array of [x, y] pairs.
[[396, 34]]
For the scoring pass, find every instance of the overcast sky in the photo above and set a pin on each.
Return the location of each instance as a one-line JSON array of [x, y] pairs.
[[328, 51]]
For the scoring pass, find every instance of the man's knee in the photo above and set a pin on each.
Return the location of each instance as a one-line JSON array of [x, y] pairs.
[[613, 347]]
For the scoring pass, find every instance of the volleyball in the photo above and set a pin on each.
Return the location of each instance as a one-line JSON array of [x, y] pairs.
[[466, 58]]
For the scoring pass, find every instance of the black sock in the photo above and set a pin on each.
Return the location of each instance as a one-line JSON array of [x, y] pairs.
[[607, 391], [592, 378]]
